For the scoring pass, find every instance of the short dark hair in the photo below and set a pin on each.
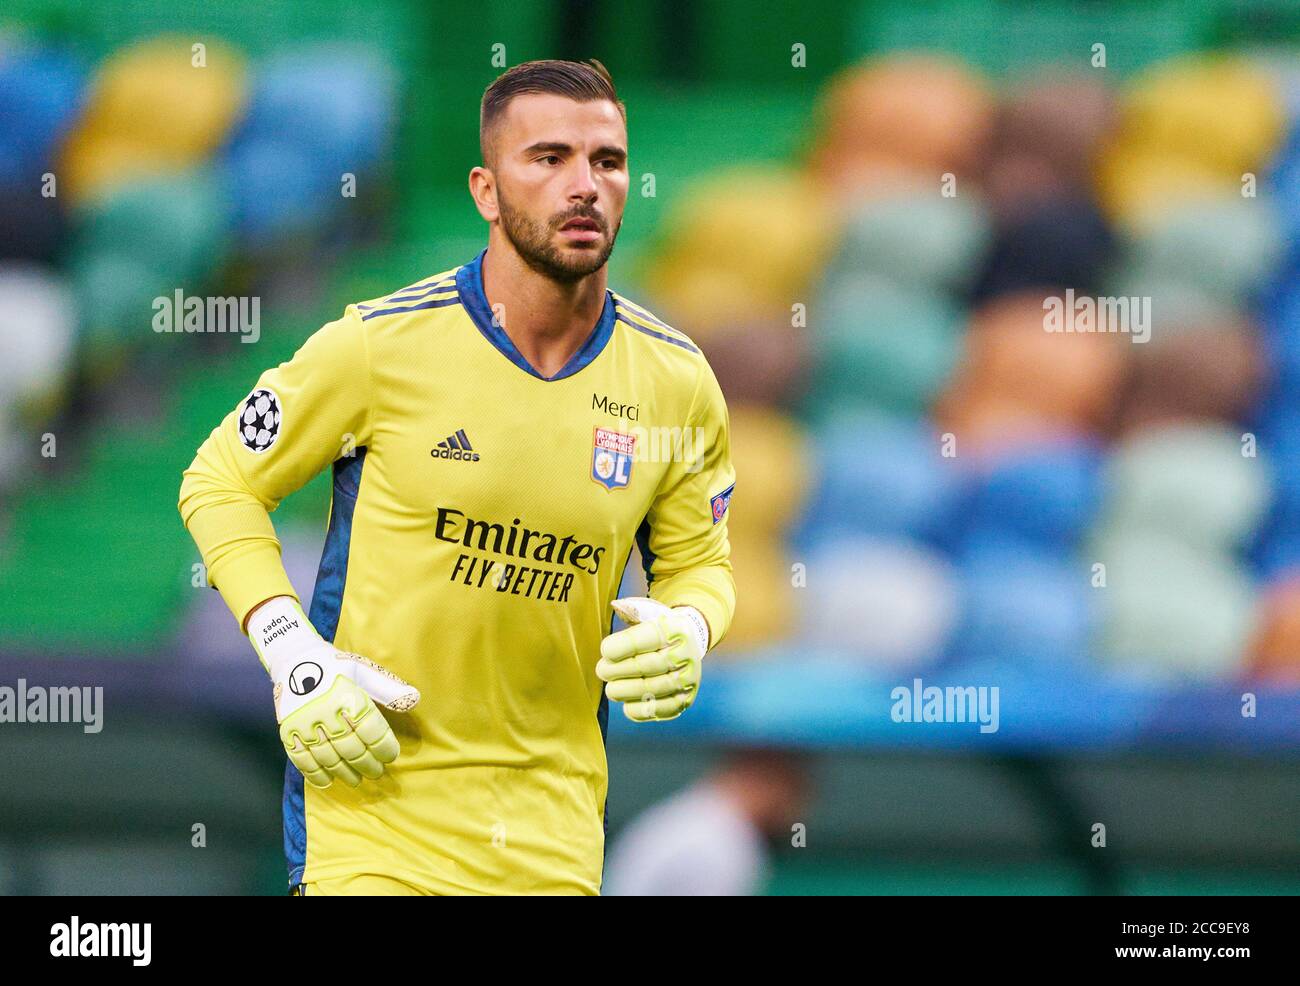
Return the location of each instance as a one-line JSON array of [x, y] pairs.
[[582, 82]]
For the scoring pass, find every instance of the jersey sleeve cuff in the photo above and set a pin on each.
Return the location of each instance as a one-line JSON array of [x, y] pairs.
[[715, 611], [250, 578]]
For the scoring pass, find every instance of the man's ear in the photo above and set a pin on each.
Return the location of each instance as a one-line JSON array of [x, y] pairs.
[[483, 190]]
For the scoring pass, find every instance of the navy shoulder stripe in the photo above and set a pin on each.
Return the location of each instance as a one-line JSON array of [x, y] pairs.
[[640, 312], [408, 294], [434, 303], [656, 335]]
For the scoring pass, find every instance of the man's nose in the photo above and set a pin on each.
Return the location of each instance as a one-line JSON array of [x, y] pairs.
[[583, 183]]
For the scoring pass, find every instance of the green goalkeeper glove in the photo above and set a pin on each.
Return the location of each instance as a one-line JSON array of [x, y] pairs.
[[325, 698], [653, 666]]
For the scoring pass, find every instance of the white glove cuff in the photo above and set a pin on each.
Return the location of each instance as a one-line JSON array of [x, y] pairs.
[[698, 623], [280, 631]]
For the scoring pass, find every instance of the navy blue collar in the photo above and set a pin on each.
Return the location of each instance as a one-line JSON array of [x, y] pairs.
[[469, 283]]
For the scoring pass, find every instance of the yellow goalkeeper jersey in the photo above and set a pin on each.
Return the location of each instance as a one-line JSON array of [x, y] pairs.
[[481, 519]]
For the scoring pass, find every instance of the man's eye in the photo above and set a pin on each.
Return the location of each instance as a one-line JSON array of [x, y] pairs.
[[552, 159]]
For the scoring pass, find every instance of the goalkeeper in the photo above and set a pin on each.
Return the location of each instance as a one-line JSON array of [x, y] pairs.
[[501, 435]]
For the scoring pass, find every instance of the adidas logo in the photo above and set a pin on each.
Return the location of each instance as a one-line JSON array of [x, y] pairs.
[[455, 446]]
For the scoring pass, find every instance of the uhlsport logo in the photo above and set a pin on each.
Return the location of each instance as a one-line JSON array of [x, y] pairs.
[[305, 677], [611, 458], [455, 446]]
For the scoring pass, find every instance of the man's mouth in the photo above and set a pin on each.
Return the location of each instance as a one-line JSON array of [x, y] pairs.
[[581, 230]]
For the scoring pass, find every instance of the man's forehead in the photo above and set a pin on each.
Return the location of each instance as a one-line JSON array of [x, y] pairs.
[[536, 117]]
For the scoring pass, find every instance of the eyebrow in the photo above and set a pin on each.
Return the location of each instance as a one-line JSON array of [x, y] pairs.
[[557, 147]]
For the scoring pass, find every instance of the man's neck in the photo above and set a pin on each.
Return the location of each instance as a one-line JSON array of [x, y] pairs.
[[547, 321]]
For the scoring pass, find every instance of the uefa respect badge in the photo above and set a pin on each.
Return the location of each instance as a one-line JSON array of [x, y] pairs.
[[611, 458], [718, 504]]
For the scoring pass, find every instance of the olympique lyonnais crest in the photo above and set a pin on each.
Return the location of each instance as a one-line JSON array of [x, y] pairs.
[[611, 458]]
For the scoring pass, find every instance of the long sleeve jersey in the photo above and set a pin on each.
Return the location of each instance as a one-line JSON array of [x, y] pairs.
[[481, 519]]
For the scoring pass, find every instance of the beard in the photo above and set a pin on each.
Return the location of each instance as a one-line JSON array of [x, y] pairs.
[[533, 242]]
